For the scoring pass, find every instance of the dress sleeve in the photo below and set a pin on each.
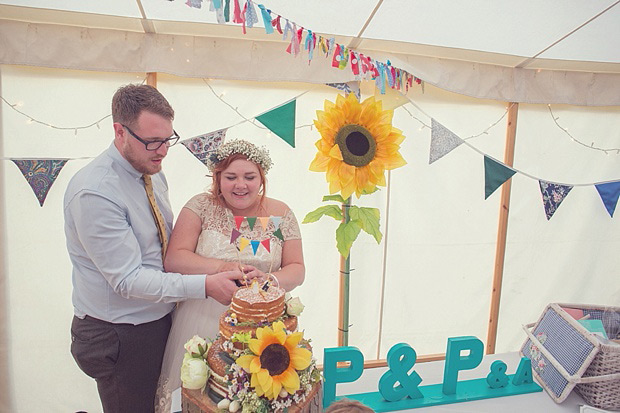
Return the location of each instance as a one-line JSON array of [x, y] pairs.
[[198, 204], [290, 226]]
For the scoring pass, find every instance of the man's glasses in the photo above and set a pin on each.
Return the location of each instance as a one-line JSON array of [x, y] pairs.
[[155, 144]]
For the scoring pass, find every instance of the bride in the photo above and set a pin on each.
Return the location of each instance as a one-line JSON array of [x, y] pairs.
[[212, 235]]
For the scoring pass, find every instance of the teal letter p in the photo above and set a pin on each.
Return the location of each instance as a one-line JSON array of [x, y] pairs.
[[334, 375], [456, 363]]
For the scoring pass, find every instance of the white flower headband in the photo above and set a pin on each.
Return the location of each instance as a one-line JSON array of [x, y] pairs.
[[259, 156]]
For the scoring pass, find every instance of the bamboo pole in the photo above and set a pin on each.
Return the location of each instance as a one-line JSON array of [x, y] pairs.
[[151, 79], [343, 305], [500, 248]]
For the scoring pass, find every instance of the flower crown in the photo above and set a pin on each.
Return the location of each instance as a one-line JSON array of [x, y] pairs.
[[259, 156]]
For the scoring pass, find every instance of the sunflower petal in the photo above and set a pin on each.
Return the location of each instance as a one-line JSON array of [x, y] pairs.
[[319, 164], [335, 153], [245, 360], [293, 339], [264, 379], [300, 358], [255, 345], [255, 365], [276, 387], [290, 380]]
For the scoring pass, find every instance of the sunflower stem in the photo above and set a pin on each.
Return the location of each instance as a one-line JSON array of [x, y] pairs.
[[343, 314]]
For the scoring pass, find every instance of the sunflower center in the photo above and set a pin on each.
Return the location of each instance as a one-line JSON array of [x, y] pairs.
[[275, 359], [356, 144]]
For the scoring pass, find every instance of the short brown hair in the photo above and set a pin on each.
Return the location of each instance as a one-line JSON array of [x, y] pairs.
[[217, 175], [131, 100], [348, 406]]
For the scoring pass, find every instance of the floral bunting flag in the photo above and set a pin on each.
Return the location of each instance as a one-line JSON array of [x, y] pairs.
[[347, 87], [495, 174], [40, 174], [442, 141], [609, 193], [201, 146], [281, 121], [553, 195]]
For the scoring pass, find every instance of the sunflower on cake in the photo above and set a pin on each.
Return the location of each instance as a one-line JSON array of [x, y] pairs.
[[259, 362]]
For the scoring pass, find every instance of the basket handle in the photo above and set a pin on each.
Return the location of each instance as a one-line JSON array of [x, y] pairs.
[[571, 378]]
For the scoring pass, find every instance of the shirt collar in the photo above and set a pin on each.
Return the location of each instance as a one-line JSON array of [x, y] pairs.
[[124, 163]]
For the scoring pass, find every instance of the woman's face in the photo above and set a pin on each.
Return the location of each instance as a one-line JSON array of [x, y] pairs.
[[240, 184]]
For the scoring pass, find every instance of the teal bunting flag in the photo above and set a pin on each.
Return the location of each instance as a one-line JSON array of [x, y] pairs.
[[281, 121], [495, 174], [609, 193]]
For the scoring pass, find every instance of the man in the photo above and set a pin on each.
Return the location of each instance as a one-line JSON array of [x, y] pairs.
[[116, 240]]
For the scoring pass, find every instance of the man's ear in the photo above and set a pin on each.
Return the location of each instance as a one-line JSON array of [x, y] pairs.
[[119, 132]]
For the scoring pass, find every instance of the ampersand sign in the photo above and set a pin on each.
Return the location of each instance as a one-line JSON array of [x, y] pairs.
[[401, 358]]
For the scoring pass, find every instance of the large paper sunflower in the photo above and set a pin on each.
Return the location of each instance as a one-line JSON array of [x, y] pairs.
[[357, 145], [275, 360]]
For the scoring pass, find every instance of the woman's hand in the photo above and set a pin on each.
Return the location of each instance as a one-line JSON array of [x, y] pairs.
[[234, 266]]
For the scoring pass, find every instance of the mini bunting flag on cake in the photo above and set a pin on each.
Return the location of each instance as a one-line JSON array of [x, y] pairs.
[[553, 195], [495, 174], [40, 174], [201, 146], [443, 141]]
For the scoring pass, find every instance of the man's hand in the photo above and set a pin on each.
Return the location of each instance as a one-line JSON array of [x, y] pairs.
[[221, 286]]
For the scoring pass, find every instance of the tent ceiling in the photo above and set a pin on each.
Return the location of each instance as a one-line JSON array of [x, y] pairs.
[[556, 34]]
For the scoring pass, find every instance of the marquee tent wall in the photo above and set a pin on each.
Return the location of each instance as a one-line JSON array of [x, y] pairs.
[[59, 69]]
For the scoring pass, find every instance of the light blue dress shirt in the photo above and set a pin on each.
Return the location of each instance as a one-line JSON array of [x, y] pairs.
[[114, 245]]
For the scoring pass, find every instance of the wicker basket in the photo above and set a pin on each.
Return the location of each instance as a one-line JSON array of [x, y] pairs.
[[565, 355]]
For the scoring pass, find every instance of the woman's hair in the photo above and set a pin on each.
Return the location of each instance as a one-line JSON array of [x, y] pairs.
[[217, 176], [131, 100], [348, 406]]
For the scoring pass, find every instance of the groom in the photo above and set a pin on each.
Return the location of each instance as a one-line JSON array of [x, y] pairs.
[[116, 238]]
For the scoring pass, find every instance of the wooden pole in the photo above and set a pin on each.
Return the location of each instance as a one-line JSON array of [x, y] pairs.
[[151, 79], [343, 305], [500, 248]]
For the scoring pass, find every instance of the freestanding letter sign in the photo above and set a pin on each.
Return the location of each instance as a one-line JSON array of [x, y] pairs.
[[399, 386]]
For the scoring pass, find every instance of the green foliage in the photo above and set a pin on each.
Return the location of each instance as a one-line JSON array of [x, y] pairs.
[[359, 218]]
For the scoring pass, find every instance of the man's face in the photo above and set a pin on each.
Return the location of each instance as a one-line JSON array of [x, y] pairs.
[[148, 127]]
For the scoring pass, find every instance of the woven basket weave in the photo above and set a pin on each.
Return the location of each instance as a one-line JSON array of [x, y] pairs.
[[573, 358]]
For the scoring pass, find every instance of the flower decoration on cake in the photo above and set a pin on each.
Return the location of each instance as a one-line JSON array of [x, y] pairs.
[[357, 145], [274, 360], [259, 156]]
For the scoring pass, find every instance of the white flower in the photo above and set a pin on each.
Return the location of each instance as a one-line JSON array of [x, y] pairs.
[[196, 346], [194, 372], [294, 306]]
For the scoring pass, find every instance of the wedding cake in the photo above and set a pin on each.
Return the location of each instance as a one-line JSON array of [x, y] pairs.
[[259, 362]]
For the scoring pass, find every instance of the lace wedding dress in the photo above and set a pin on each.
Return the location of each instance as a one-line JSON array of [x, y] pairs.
[[201, 317]]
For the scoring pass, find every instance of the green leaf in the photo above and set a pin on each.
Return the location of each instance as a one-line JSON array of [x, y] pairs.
[[333, 211], [375, 189], [368, 220], [336, 197], [345, 235]]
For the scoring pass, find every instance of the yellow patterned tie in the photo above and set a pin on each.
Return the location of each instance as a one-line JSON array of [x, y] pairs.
[[159, 219]]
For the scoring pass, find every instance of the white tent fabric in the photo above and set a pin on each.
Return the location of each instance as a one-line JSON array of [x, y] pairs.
[[438, 250]]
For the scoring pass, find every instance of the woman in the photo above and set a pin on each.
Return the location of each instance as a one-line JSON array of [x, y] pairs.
[[206, 238]]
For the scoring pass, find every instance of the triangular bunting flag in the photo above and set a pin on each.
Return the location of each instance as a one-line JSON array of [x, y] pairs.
[[553, 195], [278, 233], [251, 222], [264, 221], [442, 141], [495, 174], [235, 235], [238, 220], [243, 242], [255, 245], [348, 87], [609, 193], [281, 121], [40, 174], [201, 146], [267, 244], [276, 222]]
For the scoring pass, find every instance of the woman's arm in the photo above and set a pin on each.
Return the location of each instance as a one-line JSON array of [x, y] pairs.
[[181, 256], [293, 270]]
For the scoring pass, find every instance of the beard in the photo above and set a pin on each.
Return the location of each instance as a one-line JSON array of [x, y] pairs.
[[141, 163]]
